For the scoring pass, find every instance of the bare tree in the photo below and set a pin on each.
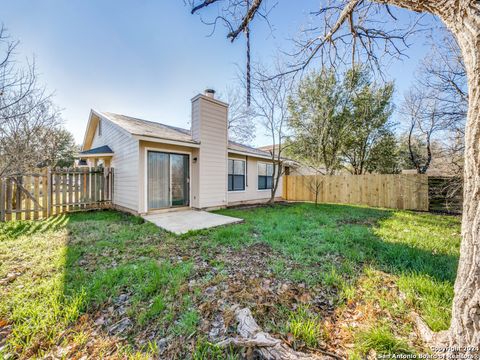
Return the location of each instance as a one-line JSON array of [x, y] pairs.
[[355, 24], [16, 83], [28, 118], [444, 71], [26, 138], [270, 106], [424, 119], [315, 185], [241, 126], [436, 108]]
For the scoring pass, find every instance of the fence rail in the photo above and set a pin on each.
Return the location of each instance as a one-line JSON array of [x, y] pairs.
[[54, 191], [389, 191]]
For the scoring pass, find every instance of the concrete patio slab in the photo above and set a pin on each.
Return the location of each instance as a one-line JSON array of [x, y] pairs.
[[180, 222]]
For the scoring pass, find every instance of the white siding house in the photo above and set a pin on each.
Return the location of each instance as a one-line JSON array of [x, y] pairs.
[[159, 167]]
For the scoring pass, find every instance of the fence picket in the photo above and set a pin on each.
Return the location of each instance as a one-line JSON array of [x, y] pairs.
[[389, 191], [82, 189], [70, 191], [18, 198], [36, 194], [48, 192], [57, 201], [88, 189], [75, 190], [27, 186], [64, 192], [2, 199], [55, 191]]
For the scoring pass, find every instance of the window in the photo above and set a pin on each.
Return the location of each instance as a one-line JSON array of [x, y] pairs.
[[99, 127], [265, 176], [236, 175]]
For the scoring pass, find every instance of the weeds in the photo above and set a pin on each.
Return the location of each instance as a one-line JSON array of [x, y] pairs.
[[381, 339], [305, 327]]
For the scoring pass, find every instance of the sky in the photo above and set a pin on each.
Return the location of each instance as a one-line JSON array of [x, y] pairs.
[[148, 58]]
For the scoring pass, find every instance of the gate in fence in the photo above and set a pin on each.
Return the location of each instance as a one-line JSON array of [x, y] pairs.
[[54, 191]]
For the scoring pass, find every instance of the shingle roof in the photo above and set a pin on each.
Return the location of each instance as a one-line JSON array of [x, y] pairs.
[[233, 145], [149, 128], [99, 150], [154, 129]]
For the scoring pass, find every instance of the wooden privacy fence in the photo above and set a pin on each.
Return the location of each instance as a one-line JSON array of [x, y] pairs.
[[389, 191], [54, 191]]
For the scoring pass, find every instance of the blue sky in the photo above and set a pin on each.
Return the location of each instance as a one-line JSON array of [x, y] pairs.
[[147, 58]]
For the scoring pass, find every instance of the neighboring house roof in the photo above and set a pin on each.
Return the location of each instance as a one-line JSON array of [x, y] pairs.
[[288, 161], [267, 147], [235, 146], [99, 150], [141, 127]]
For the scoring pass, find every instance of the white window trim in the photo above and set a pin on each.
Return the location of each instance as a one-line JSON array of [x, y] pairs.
[[244, 175]]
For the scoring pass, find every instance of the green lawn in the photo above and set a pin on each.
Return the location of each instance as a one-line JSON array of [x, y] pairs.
[[340, 278]]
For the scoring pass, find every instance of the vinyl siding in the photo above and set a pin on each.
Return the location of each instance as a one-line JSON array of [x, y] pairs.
[[209, 126], [251, 192], [125, 162], [196, 120]]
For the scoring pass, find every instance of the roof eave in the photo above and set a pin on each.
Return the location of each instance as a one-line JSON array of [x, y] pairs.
[[166, 141], [81, 156], [246, 153]]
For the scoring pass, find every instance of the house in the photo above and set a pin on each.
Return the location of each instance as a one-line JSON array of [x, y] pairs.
[[158, 166], [293, 167]]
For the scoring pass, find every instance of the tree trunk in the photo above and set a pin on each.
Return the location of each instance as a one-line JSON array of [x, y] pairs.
[[465, 325], [462, 17], [277, 173]]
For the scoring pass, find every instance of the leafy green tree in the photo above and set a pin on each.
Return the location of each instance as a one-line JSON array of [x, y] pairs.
[[370, 107], [385, 156], [319, 121], [61, 148], [342, 123]]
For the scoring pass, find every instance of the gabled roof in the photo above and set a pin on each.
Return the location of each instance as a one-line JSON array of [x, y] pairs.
[[140, 127], [99, 150]]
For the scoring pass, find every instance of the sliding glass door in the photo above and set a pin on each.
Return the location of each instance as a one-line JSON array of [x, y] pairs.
[[167, 180], [179, 179]]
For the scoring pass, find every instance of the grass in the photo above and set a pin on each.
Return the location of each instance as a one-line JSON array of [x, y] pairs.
[[72, 281], [205, 350], [420, 249], [305, 326], [382, 341]]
